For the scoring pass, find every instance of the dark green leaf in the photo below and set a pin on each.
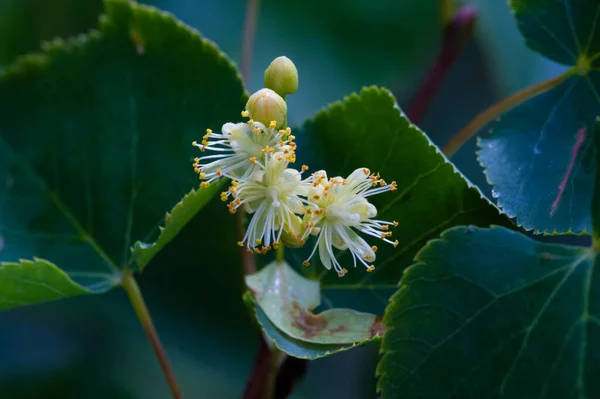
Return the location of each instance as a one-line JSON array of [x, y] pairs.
[[95, 139], [369, 130], [288, 300], [562, 30], [490, 313], [539, 156], [30, 282]]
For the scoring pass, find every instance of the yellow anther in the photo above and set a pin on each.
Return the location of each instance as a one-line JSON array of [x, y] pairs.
[[304, 168], [374, 248], [240, 244], [219, 171], [273, 124], [204, 142], [208, 131], [256, 130], [317, 196], [282, 132], [395, 223], [292, 137], [306, 263], [251, 121], [250, 251], [288, 130], [204, 184], [195, 143], [202, 175], [385, 227], [275, 245], [256, 250], [258, 241], [366, 171], [234, 183], [370, 268], [394, 186], [395, 243], [245, 114], [253, 160]]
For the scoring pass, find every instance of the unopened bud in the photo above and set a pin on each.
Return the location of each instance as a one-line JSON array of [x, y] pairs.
[[293, 232], [282, 76], [266, 106]]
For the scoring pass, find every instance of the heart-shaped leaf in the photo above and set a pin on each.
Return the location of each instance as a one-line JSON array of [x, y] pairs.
[[538, 157], [490, 313], [95, 140]]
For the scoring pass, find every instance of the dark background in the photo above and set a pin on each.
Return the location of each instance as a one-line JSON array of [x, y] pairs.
[[93, 347]]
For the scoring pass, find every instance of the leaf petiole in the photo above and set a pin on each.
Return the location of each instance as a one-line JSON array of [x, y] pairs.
[[137, 301], [501, 107]]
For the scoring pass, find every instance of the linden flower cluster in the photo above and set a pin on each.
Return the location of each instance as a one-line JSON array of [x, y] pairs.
[[285, 207]]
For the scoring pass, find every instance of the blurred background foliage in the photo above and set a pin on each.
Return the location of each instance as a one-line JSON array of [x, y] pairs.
[[93, 347]]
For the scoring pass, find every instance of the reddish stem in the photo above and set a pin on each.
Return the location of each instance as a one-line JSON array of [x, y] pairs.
[[457, 34]]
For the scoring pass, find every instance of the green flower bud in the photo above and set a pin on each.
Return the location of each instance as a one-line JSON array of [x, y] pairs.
[[293, 232], [267, 107], [282, 76]]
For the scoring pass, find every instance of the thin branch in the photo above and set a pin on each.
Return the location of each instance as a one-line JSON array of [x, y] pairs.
[[248, 40], [457, 34], [501, 107], [137, 301]]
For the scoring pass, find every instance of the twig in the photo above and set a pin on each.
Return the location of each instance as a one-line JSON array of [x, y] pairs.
[[137, 301], [457, 34], [248, 40], [501, 107]]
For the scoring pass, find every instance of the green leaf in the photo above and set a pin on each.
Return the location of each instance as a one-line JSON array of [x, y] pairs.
[[562, 30], [539, 156], [29, 282], [491, 313], [369, 130], [182, 213], [287, 300], [95, 140]]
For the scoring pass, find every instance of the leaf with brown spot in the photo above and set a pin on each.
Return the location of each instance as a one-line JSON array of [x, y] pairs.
[[285, 304]]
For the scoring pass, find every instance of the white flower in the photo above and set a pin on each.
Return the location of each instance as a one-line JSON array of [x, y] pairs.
[[272, 195], [338, 208], [236, 149]]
